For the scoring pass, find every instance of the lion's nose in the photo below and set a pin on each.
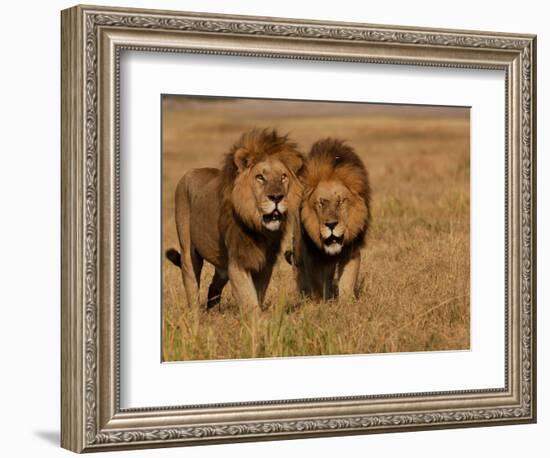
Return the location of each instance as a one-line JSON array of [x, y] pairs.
[[331, 225], [275, 197]]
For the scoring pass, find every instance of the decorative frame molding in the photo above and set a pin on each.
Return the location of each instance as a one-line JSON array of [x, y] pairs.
[[92, 39]]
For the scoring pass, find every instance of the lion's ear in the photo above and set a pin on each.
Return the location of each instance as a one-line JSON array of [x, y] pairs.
[[295, 162], [242, 159]]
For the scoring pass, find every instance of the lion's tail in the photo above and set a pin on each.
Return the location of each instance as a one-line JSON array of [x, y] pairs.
[[174, 256]]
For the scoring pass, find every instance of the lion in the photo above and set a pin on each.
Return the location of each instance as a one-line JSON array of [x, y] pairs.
[[235, 217], [333, 222]]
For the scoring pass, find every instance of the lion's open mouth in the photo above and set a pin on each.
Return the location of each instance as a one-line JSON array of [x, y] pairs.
[[333, 240], [274, 216]]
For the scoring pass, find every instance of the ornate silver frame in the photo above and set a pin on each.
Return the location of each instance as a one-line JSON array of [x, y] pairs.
[[92, 40]]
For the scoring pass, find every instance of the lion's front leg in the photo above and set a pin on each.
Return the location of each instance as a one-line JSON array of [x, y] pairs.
[[261, 282], [348, 273], [242, 284]]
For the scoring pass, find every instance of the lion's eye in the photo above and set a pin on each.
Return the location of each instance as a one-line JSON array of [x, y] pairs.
[[284, 177], [321, 204], [260, 178]]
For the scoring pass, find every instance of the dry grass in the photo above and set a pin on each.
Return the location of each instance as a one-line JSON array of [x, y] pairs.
[[415, 274]]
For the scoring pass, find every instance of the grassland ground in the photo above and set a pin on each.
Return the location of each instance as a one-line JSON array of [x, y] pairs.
[[415, 270]]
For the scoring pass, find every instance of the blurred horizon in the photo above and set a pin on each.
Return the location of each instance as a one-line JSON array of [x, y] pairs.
[[174, 102]]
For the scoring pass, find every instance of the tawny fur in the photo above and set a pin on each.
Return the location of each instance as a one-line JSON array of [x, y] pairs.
[[336, 188], [220, 216]]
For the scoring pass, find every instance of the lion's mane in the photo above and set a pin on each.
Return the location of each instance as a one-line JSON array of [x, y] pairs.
[[333, 160], [240, 222]]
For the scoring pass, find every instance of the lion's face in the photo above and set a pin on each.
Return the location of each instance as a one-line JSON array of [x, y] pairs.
[[331, 203], [260, 194], [331, 215]]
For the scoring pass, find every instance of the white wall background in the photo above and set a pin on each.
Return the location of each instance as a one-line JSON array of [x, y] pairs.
[[30, 213]]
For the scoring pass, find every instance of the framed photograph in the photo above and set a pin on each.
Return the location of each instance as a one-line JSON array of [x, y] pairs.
[[278, 228]]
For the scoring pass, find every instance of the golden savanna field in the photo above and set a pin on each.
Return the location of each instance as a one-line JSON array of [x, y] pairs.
[[415, 269]]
